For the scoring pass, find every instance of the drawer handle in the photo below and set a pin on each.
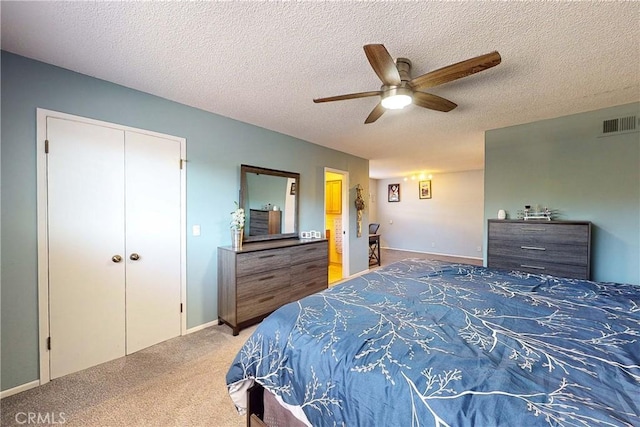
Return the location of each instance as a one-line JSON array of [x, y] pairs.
[[266, 298], [266, 256], [266, 277], [536, 267], [530, 229], [533, 248]]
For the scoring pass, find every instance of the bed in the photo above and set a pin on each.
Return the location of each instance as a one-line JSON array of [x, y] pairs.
[[427, 343]]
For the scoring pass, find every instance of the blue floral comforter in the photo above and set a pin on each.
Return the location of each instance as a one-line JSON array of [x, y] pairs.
[[424, 343]]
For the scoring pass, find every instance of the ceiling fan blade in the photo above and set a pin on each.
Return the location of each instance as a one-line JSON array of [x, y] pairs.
[[432, 102], [348, 96], [456, 71], [375, 114], [383, 64]]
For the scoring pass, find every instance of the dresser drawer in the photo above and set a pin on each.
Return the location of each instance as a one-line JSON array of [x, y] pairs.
[[267, 281], [540, 252], [540, 233], [308, 278], [307, 289], [304, 271], [531, 266], [259, 305], [261, 261], [310, 252]]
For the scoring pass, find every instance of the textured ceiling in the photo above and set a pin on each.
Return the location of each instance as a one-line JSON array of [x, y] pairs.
[[264, 62]]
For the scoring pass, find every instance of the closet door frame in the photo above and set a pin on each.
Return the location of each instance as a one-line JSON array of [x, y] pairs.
[[42, 226]]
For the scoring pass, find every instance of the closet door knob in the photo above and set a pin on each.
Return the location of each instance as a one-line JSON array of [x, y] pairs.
[[116, 258], [134, 257]]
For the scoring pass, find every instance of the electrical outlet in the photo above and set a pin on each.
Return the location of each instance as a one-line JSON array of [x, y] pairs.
[[433, 244], [479, 249]]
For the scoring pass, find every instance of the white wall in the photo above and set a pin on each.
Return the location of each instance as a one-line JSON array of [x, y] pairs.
[[450, 223]]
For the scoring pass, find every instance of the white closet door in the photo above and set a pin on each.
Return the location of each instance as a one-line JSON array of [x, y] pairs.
[[153, 234], [86, 230]]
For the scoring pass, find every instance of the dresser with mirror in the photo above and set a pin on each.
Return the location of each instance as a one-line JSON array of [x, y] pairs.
[[274, 266]]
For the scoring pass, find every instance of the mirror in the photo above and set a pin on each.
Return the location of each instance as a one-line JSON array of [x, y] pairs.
[[270, 201]]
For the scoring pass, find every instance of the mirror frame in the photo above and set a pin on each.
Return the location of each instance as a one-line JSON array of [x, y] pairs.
[[244, 170]]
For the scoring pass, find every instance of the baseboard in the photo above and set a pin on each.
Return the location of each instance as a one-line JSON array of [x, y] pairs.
[[201, 327], [19, 389], [432, 253], [36, 383]]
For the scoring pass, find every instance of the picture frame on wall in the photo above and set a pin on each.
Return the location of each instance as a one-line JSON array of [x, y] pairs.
[[424, 189], [394, 192]]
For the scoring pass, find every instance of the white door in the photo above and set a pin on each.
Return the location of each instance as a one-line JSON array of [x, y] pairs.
[[152, 239], [86, 230], [114, 219]]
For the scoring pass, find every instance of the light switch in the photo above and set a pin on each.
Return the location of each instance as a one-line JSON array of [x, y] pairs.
[[196, 230]]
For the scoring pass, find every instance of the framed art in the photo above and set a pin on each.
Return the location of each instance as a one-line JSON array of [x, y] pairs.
[[424, 189], [394, 192]]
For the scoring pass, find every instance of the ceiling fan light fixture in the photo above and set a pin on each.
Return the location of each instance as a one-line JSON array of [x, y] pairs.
[[396, 98], [398, 88]]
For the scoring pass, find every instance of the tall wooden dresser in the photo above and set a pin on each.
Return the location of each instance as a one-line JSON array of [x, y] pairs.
[[558, 248], [262, 276], [263, 222]]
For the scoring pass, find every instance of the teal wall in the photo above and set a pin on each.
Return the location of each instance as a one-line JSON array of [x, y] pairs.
[[562, 163], [216, 146]]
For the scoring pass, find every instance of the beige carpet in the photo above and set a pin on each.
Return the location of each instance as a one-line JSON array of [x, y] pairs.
[[180, 382]]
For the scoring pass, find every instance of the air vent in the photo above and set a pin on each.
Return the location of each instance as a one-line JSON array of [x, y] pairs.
[[620, 125]]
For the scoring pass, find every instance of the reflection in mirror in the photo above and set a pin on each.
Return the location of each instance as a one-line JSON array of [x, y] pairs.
[[270, 201]]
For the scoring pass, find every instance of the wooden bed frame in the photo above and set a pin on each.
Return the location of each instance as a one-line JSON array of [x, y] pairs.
[[263, 410], [255, 406]]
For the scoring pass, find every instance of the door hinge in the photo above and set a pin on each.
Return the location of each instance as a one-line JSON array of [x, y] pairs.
[[48, 343], [181, 163], [46, 146], [180, 307]]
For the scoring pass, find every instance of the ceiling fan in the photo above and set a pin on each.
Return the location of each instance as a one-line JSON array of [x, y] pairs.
[[398, 88]]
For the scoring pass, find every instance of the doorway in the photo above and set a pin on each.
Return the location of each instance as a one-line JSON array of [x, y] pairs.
[[111, 240], [337, 222]]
